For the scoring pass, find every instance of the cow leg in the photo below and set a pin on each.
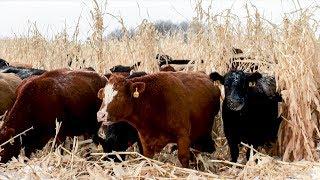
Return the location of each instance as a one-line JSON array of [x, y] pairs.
[[184, 151], [34, 142], [146, 149], [148, 152], [233, 141], [205, 144], [234, 151]]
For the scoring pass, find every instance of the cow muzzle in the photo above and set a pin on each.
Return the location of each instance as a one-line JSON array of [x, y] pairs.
[[102, 116], [235, 105]]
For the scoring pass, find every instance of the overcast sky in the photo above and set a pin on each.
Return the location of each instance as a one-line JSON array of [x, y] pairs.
[[52, 15]]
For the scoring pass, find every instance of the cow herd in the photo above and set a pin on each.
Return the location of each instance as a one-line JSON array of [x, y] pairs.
[[130, 107]]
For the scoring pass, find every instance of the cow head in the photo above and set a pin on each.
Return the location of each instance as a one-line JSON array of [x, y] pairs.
[[8, 149], [118, 97], [236, 84]]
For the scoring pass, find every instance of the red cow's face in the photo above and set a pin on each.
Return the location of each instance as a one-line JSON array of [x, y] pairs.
[[118, 97]]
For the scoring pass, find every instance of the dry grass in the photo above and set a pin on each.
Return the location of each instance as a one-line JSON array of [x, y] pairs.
[[73, 161], [290, 51]]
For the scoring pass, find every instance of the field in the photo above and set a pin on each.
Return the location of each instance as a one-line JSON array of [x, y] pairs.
[[290, 51]]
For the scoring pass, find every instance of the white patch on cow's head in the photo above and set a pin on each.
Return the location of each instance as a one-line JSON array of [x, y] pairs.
[[109, 94]]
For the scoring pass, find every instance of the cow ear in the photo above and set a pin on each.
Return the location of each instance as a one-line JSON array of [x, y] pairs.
[[137, 88], [108, 75], [253, 77], [101, 93], [216, 77]]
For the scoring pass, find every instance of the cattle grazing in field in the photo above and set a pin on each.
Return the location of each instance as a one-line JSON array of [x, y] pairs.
[[249, 110], [165, 107], [127, 69], [8, 85], [70, 97], [164, 59]]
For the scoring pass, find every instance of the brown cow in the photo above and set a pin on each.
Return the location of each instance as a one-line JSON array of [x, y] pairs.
[[65, 95], [8, 85], [165, 107]]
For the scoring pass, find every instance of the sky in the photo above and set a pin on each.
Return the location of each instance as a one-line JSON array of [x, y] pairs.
[[51, 16]]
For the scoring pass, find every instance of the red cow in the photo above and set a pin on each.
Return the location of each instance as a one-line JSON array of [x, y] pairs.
[[166, 107], [65, 95]]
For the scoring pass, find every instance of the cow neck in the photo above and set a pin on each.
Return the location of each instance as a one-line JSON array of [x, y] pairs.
[[17, 120], [242, 113]]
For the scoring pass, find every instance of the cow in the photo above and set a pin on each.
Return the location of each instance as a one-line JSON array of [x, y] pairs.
[[131, 74], [249, 109], [165, 107], [164, 59], [119, 137], [8, 85], [127, 69], [22, 72], [70, 97]]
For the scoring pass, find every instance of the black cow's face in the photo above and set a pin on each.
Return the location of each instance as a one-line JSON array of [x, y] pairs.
[[236, 85]]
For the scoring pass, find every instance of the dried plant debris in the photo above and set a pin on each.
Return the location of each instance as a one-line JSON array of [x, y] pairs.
[[63, 163]]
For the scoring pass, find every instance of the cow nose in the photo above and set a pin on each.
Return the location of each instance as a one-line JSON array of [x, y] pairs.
[[235, 104]]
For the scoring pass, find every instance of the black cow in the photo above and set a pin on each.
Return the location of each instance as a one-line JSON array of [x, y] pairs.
[[165, 59], [136, 74], [121, 68], [22, 72], [127, 74], [119, 137], [250, 113]]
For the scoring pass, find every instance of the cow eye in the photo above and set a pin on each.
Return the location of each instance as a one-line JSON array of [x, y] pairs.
[[252, 84]]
